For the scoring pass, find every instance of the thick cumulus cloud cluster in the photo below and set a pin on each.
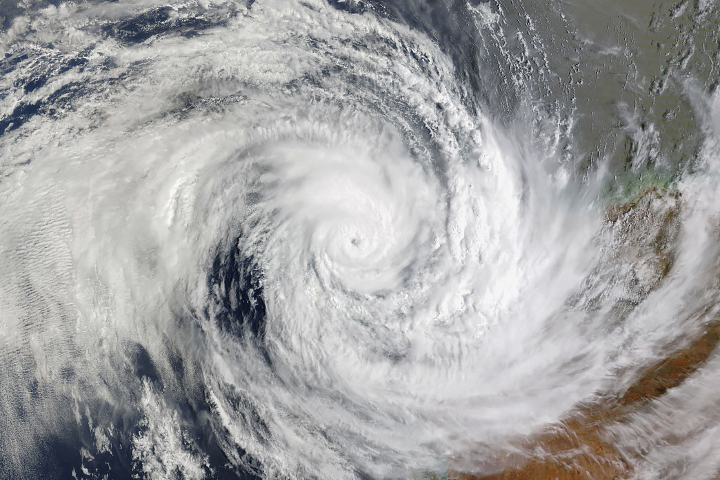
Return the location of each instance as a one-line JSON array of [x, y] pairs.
[[289, 237]]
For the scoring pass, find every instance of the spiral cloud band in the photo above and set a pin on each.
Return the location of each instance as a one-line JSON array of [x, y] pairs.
[[286, 239]]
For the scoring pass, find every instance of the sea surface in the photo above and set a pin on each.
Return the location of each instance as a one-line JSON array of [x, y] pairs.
[[359, 239]]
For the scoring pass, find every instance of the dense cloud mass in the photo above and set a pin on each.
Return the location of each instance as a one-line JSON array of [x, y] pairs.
[[311, 239]]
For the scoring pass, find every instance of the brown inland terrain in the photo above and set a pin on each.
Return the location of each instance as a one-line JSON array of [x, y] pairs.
[[580, 446]]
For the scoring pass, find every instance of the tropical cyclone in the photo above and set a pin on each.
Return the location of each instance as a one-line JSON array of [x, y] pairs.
[[294, 240]]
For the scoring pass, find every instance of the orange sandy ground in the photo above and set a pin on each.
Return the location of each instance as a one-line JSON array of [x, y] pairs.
[[575, 449]]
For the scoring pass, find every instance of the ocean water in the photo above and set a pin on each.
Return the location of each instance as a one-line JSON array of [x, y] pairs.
[[350, 239]]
